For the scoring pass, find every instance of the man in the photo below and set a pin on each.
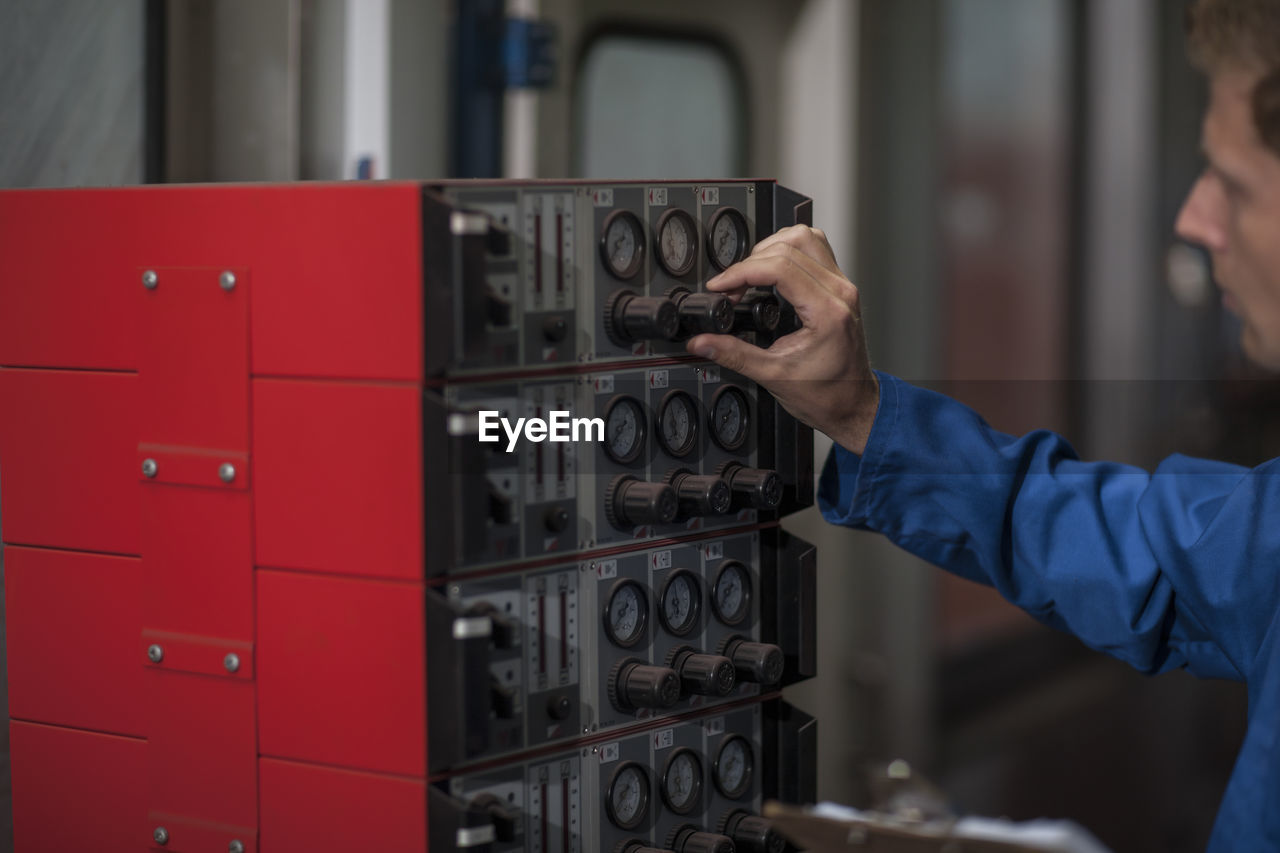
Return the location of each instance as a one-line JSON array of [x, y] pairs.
[[1180, 568]]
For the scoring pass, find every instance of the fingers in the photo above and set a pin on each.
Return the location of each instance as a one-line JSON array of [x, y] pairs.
[[812, 241], [734, 354], [803, 281]]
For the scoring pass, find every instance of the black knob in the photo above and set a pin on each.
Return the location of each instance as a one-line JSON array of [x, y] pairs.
[[629, 502], [629, 318], [753, 488], [758, 311], [556, 519], [555, 328], [506, 700], [501, 508], [635, 685], [506, 630], [702, 312], [761, 663], [498, 308], [635, 845], [753, 834], [704, 675], [504, 820], [688, 839], [699, 494], [498, 240], [559, 707]]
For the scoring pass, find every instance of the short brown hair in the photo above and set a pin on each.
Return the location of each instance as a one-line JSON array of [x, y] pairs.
[[1241, 35]]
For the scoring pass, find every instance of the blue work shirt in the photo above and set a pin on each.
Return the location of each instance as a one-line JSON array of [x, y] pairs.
[[1174, 569]]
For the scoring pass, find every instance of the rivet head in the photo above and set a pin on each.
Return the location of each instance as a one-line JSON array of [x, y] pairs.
[[231, 662], [150, 279], [236, 846], [155, 654], [227, 281], [161, 835], [149, 467], [226, 472]]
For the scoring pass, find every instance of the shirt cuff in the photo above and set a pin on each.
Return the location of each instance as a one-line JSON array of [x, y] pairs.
[[847, 482]]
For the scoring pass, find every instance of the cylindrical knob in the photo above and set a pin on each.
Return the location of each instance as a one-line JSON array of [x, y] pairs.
[[699, 494], [555, 328], [702, 312], [503, 819], [629, 502], [556, 519], [629, 318], [559, 707], [635, 685], [704, 675], [757, 311], [753, 834], [636, 846], [688, 839], [761, 663], [753, 488]]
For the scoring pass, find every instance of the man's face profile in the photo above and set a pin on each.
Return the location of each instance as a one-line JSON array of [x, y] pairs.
[[1233, 211]]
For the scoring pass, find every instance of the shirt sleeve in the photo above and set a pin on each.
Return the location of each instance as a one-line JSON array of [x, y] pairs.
[[1176, 568]]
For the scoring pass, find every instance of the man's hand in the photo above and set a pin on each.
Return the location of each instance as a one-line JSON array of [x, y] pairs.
[[819, 373]]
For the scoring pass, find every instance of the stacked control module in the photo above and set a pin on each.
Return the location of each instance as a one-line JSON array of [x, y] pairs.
[[396, 516]]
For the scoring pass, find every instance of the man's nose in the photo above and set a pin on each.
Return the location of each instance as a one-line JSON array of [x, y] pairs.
[[1201, 219]]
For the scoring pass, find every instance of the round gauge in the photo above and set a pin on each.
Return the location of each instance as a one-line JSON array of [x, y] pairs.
[[730, 417], [727, 237], [624, 428], [627, 613], [627, 800], [622, 244], [681, 602], [678, 423], [682, 781], [677, 242], [731, 593], [734, 764]]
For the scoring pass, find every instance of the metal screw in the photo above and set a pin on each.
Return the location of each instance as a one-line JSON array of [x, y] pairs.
[[161, 835], [226, 472], [235, 847], [155, 654], [149, 467], [227, 281], [150, 279], [231, 662]]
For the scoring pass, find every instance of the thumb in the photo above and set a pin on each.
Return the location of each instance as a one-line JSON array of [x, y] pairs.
[[730, 353]]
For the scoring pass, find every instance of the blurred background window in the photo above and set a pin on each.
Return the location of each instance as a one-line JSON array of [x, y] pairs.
[[658, 107]]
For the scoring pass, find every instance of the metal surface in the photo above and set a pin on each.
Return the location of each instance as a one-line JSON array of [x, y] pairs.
[[227, 472], [155, 654], [161, 835]]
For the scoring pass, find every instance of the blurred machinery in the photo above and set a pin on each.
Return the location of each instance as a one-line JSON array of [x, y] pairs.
[[267, 589]]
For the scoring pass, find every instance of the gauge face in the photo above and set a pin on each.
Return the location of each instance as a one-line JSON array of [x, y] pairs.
[[677, 242], [678, 423], [626, 614], [734, 764], [681, 602], [622, 244], [624, 429], [731, 594], [627, 800], [727, 238], [730, 417], [682, 781]]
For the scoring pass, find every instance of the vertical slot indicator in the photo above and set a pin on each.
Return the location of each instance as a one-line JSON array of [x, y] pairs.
[[564, 629], [546, 840], [537, 253], [560, 462], [564, 808], [537, 471], [559, 252], [542, 635]]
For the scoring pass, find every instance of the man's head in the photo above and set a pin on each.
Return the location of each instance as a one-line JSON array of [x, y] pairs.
[[1234, 207]]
